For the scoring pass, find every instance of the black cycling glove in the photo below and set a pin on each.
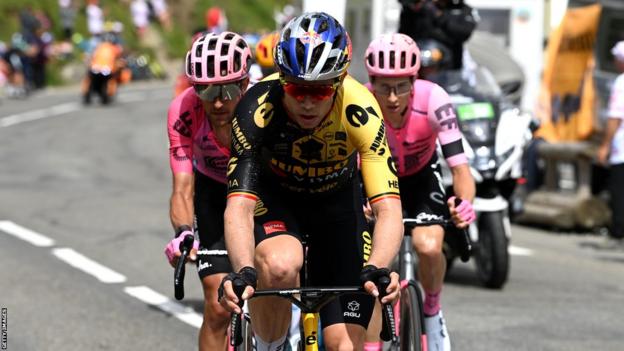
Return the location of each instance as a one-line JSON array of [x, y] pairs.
[[247, 275], [372, 274]]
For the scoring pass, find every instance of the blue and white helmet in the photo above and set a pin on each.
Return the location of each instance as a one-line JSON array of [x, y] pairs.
[[313, 46]]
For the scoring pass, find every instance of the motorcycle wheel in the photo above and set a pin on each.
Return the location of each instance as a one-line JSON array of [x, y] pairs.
[[492, 256]]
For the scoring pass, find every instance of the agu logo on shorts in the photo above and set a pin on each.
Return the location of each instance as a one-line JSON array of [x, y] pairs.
[[352, 307], [274, 226]]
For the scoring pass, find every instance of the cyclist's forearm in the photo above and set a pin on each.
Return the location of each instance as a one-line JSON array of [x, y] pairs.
[[388, 232], [181, 209], [239, 238], [463, 183]]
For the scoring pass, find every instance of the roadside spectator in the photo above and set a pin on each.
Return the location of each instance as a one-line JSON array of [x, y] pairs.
[[611, 150], [216, 21], [5, 69], [140, 16], [162, 13], [28, 21], [67, 13], [451, 22], [18, 66], [95, 18], [37, 56]]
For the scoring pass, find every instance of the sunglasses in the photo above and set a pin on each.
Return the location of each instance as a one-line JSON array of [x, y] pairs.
[[224, 92], [315, 92], [402, 88]]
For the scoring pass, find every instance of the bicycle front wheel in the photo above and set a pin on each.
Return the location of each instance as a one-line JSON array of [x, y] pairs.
[[411, 331], [247, 333]]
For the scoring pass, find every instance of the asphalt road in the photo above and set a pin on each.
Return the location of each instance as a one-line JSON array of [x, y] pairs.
[[84, 219]]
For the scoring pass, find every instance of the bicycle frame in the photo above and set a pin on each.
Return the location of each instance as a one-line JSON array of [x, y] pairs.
[[311, 302]]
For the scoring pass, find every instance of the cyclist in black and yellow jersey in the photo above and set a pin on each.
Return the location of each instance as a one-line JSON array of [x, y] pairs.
[[293, 175]]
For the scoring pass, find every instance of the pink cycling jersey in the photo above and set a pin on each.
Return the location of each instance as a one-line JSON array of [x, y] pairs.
[[192, 142], [431, 116]]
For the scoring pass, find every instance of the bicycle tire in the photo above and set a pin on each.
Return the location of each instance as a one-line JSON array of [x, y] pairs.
[[411, 323]]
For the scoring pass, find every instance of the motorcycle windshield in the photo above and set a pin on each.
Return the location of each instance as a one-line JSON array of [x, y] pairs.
[[470, 83]]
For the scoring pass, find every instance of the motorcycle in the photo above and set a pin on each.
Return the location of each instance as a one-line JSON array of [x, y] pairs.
[[495, 134], [107, 69]]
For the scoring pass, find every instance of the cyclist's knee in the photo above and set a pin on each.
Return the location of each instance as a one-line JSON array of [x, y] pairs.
[[277, 269], [279, 261], [337, 338], [213, 311], [428, 241], [215, 314], [428, 247]]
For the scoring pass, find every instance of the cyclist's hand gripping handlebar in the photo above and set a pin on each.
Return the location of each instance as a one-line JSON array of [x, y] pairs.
[[465, 248], [381, 278], [247, 276], [178, 276]]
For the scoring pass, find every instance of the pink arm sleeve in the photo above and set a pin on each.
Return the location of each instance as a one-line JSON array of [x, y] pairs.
[[443, 118], [179, 123]]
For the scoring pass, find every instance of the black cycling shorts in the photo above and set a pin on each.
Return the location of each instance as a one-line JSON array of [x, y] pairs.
[[423, 195], [209, 201], [335, 231]]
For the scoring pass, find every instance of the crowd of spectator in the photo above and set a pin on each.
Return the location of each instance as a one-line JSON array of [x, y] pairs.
[[23, 58]]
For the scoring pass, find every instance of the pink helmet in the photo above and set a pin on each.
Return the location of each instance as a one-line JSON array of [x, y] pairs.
[[218, 58], [392, 55]]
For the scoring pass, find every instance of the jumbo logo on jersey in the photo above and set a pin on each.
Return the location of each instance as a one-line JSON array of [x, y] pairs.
[[232, 165], [392, 166], [358, 116], [309, 149], [264, 112]]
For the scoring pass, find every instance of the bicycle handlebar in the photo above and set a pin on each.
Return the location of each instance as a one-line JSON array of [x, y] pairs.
[[388, 327], [388, 313], [178, 274], [238, 285]]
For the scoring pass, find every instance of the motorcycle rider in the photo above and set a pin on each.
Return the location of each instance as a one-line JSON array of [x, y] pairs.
[[416, 114], [449, 21], [104, 65]]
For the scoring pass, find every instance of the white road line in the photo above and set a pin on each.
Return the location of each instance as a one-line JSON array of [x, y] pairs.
[[105, 274], [151, 297], [65, 108], [25, 234], [133, 96], [33, 115], [519, 251], [85, 264]]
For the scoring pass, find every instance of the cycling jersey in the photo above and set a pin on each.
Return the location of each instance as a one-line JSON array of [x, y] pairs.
[[266, 143], [192, 142], [431, 116]]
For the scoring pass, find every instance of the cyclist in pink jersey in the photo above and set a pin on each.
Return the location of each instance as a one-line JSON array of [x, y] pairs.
[[199, 127], [416, 114]]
